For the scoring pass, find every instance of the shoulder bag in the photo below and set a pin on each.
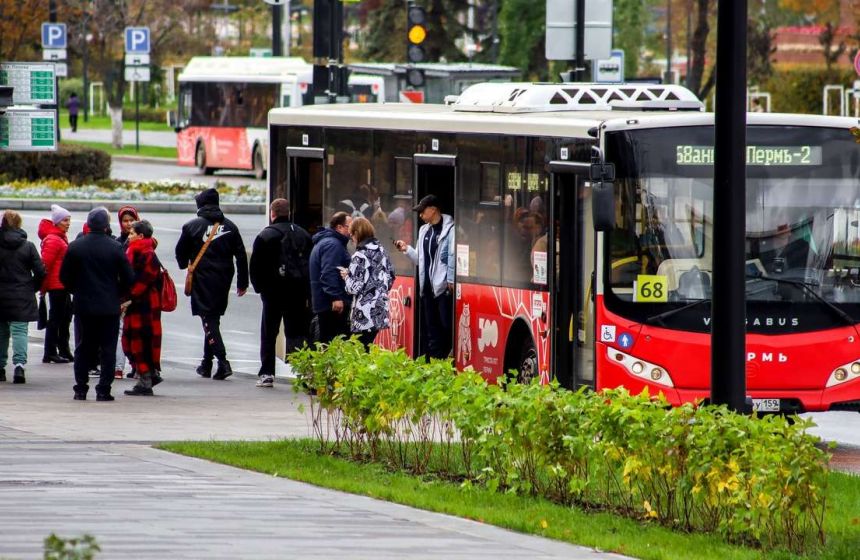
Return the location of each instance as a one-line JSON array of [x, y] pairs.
[[189, 278]]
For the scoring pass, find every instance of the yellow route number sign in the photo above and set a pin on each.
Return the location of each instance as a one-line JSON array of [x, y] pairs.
[[651, 288]]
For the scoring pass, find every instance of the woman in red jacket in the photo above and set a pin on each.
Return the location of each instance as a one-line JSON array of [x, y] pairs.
[[55, 243], [141, 329]]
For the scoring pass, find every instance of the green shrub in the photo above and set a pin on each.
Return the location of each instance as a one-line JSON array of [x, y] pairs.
[[147, 114], [798, 89], [754, 481], [78, 164]]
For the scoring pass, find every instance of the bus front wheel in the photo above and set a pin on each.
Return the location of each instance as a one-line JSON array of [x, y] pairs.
[[259, 170], [200, 160], [528, 362]]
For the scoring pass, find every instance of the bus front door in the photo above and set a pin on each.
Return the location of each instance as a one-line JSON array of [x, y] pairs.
[[305, 180], [435, 174], [571, 291]]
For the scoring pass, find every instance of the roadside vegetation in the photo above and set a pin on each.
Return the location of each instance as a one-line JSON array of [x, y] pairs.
[[102, 122], [126, 150], [691, 478]]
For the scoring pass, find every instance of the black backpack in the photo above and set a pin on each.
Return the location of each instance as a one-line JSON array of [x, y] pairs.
[[295, 252]]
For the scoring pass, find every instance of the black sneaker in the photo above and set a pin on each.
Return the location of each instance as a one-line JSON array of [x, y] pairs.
[[156, 379], [224, 370], [18, 378], [205, 369], [104, 397], [2, 374], [138, 391], [55, 359], [80, 396]]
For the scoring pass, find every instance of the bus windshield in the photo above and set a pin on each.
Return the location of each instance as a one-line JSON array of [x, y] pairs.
[[802, 226]]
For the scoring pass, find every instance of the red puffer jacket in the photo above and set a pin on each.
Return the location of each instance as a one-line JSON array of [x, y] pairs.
[[54, 247]]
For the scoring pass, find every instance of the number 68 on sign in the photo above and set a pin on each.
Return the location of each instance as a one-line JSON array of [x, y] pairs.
[[650, 288]]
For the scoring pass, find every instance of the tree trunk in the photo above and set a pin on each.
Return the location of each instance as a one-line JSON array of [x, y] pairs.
[[116, 125]]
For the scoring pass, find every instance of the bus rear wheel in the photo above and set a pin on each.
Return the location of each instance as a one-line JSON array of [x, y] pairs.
[[528, 362], [259, 170], [200, 160]]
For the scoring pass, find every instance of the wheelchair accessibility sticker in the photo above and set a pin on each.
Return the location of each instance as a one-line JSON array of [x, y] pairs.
[[607, 333]]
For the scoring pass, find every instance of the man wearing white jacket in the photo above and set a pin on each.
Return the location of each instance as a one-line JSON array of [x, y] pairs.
[[435, 259]]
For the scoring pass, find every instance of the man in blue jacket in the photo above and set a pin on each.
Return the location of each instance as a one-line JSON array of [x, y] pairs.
[[328, 293]]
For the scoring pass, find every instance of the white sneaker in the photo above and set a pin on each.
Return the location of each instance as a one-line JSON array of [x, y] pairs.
[[266, 381]]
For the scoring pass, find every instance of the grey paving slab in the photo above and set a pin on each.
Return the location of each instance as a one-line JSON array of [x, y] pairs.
[[75, 467]]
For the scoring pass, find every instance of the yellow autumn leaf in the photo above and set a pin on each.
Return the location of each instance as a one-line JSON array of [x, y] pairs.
[[543, 524]]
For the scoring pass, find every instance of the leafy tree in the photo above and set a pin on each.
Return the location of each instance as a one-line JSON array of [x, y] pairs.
[[20, 24], [386, 36], [628, 21], [522, 26], [760, 49]]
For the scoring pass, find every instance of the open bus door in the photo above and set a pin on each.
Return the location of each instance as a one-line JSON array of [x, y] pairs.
[[434, 174], [572, 257], [305, 180]]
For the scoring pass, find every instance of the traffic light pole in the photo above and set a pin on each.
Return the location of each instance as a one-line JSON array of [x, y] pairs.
[[579, 70]]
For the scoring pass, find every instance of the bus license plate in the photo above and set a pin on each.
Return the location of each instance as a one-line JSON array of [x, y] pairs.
[[765, 405]]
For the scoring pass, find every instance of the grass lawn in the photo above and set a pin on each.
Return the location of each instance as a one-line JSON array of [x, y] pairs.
[[298, 460], [128, 149], [103, 122]]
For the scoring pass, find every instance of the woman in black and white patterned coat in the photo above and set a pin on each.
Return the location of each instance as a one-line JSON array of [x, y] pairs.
[[368, 278]]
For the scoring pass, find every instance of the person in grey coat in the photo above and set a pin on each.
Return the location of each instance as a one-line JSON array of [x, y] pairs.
[[21, 275]]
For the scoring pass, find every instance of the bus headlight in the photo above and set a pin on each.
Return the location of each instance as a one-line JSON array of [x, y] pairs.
[[843, 373], [642, 369]]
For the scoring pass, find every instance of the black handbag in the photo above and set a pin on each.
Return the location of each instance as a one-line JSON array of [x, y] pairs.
[[42, 322]]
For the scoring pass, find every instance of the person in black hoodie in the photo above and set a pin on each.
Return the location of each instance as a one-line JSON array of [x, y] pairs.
[[213, 275], [330, 301], [282, 284], [21, 275], [96, 271]]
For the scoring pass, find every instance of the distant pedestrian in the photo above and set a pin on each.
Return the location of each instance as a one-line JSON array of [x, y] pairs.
[[73, 105], [21, 275], [127, 216], [141, 330], [369, 278], [96, 272], [213, 275], [328, 292], [280, 274], [53, 233]]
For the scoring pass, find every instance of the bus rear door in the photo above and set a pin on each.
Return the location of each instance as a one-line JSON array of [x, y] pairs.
[[571, 263], [305, 180]]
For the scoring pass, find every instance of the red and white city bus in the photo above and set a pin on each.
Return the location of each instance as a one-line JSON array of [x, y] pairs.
[[538, 289], [224, 101]]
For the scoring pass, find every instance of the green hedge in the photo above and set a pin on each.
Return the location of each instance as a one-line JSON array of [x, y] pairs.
[[147, 114], [799, 89], [77, 164], [754, 481]]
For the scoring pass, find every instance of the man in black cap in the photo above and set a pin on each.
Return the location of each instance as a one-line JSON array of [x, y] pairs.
[[213, 275], [96, 272], [435, 259]]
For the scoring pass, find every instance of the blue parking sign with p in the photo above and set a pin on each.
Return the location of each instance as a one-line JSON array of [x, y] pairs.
[[137, 40], [54, 35]]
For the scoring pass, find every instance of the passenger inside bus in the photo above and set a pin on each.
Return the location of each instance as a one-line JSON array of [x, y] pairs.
[[791, 250]]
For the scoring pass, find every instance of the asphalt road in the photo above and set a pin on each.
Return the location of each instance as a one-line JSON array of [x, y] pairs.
[[129, 169], [183, 338]]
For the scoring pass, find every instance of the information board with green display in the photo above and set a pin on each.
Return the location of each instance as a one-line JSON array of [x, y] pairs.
[[28, 130], [33, 82]]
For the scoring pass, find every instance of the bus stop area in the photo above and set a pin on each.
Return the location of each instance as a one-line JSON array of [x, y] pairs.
[[71, 468]]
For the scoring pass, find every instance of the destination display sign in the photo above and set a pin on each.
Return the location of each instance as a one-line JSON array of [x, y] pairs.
[[686, 154]]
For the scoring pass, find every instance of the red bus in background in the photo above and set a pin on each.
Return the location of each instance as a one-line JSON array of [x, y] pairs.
[[224, 103], [539, 289]]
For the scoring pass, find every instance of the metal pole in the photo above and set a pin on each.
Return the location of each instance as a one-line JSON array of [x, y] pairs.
[[579, 71], [668, 78], [728, 307], [52, 17], [86, 78], [136, 117], [689, 39], [277, 43]]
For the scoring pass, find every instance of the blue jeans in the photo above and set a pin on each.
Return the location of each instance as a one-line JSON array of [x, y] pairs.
[[18, 331]]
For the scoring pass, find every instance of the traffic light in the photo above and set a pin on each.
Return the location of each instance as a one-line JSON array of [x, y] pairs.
[[416, 32]]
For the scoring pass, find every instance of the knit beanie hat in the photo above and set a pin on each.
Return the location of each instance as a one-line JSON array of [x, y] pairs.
[[58, 213], [98, 219], [209, 197]]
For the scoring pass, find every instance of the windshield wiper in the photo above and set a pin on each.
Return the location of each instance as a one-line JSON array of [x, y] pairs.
[[666, 314], [810, 290]]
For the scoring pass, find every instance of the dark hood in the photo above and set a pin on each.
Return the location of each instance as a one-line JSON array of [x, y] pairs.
[[211, 213], [209, 197], [328, 232], [12, 238]]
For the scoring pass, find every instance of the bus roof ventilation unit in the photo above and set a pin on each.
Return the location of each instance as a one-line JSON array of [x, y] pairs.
[[537, 98]]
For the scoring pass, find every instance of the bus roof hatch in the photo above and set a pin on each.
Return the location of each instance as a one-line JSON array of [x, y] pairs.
[[539, 98]]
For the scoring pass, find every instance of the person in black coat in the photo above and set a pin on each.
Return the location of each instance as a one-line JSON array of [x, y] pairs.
[[285, 293], [213, 275], [330, 301], [21, 275], [96, 272]]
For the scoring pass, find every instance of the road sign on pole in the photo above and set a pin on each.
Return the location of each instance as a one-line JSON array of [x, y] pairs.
[[137, 40], [137, 73], [28, 130], [54, 36]]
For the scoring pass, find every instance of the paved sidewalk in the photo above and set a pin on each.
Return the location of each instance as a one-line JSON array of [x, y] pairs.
[[147, 137], [75, 467]]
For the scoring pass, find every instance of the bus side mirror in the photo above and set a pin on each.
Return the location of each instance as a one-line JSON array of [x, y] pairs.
[[603, 206], [173, 121]]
